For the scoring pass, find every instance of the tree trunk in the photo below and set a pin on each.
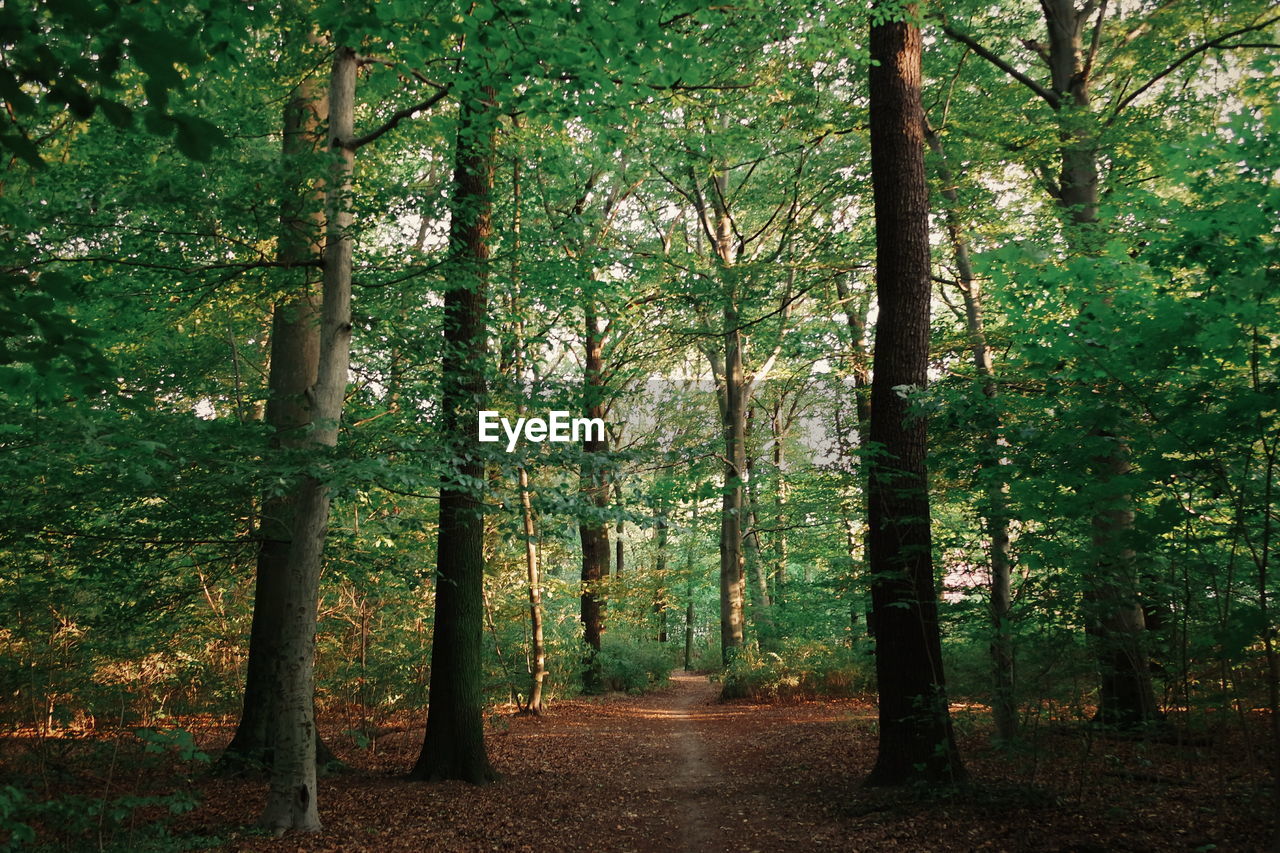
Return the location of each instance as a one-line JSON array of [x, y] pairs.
[[1113, 611], [539, 647], [856, 315], [688, 589], [732, 577], [1115, 620], [518, 356], [995, 506], [291, 803], [618, 531], [761, 604], [781, 550], [454, 746], [916, 738], [295, 357], [593, 531], [660, 604]]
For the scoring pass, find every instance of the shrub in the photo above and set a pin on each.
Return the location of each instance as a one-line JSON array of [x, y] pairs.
[[633, 666], [801, 670]]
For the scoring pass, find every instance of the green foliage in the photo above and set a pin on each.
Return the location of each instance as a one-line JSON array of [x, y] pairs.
[[29, 821], [633, 666], [139, 225], [799, 670]]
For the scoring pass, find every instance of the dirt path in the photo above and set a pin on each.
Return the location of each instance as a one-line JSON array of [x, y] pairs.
[[677, 771], [698, 780]]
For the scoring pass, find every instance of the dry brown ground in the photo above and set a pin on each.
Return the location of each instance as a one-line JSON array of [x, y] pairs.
[[675, 770]]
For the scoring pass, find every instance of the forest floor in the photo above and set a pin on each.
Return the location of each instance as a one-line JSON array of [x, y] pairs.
[[677, 770]]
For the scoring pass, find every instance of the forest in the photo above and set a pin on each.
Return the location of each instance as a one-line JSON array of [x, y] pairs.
[[639, 425]]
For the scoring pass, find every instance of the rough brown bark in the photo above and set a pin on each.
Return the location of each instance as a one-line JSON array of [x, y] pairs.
[[916, 739], [291, 803], [593, 531], [454, 747]]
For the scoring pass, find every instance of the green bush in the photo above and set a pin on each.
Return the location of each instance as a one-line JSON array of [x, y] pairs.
[[801, 670], [633, 666]]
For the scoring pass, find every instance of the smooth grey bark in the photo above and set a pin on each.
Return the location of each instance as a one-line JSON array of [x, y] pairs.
[[660, 602], [733, 428], [537, 644], [292, 801], [753, 560], [688, 588], [619, 530], [295, 358], [1114, 614]]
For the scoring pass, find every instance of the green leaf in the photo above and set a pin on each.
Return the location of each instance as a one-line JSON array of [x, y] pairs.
[[197, 137]]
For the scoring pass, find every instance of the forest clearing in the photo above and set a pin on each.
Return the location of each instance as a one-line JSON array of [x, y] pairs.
[[640, 425]]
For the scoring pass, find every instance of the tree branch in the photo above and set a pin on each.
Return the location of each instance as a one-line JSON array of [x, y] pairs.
[[1211, 44], [1049, 97], [397, 117]]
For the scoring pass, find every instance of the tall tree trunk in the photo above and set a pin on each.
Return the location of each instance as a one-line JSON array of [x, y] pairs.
[[295, 358], [761, 604], [1113, 612], [856, 314], [538, 645], [593, 531], [688, 589], [1078, 176], [454, 747], [916, 738], [733, 399], [618, 531], [777, 434], [291, 803], [995, 504], [733, 426], [660, 602]]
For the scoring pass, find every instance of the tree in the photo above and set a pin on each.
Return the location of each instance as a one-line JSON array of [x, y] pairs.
[[916, 738], [593, 530], [295, 359], [1112, 596], [292, 800], [453, 747]]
